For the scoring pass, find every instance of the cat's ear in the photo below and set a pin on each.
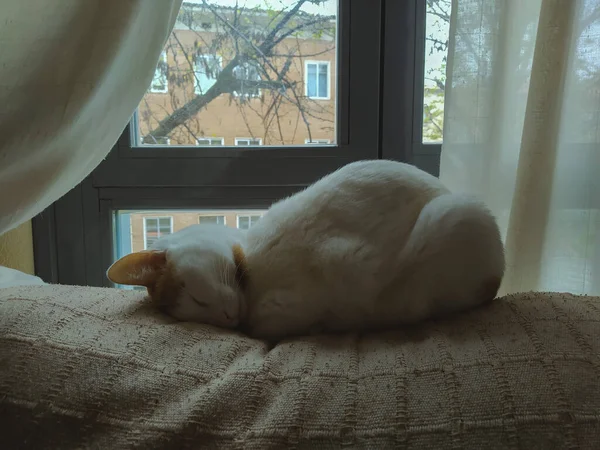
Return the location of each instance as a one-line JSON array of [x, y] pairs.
[[138, 269], [241, 269]]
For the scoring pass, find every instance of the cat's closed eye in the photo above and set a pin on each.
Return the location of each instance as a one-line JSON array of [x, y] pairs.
[[200, 303]]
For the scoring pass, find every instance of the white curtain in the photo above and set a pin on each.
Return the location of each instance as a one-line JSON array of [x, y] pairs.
[[71, 74], [522, 131]]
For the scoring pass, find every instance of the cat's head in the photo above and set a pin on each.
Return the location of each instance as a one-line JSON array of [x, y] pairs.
[[194, 275]]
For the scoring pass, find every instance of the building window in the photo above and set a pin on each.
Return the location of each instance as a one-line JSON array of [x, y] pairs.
[[156, 140], [214, 220], [155, 228], [317, 79], [246, 142], [206, 70], [210, 141], [317, 141], [244, 222], [248, 74], [160, 81]]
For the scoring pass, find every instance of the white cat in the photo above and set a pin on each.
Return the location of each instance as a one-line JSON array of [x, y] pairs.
[[373, 245], [190, 274]]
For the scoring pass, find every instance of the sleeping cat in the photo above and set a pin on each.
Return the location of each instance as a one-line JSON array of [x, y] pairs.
[[374, 245]]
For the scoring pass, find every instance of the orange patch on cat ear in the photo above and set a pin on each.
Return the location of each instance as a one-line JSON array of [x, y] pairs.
[[241, 269], [138, 269]]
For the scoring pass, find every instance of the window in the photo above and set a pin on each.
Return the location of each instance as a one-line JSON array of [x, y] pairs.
[[248, 75], [155, 228], [248, 141], [210, 141], [245, 222], [160, 81], [259, 78], [317, 79], [367, 57], [206, 71], [216, 220], [317, 141]]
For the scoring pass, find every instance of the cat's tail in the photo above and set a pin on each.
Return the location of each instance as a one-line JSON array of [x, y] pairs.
[[454, 257]]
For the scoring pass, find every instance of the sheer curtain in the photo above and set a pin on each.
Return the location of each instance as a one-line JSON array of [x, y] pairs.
[[71, 74], [522, 131]]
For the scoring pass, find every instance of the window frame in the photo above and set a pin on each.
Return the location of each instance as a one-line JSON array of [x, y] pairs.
[[157, 218], [317, 63], [405, 33], [379, 115]]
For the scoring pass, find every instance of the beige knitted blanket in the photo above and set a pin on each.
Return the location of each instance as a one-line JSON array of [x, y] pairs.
[[97, 368]]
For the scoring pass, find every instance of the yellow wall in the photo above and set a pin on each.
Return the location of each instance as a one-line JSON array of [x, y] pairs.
[[16, 249]]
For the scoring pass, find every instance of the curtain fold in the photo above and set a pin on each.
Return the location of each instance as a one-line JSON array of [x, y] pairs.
[[72, 72], [522, 132]]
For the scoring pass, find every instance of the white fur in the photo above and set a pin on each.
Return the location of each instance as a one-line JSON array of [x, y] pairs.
[[203, 259], [374, 244]]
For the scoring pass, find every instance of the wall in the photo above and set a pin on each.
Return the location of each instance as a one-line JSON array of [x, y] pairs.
[[16, 249]]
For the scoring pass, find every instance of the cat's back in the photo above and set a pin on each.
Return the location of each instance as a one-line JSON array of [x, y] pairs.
[[371, 173], [360, 215], [337, 239], [360, 196], [373, 179]]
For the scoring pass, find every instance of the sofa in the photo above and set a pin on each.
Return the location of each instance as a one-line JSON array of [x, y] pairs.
[[99, 368]]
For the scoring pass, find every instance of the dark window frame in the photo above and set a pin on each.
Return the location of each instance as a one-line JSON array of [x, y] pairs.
[[73, 238]]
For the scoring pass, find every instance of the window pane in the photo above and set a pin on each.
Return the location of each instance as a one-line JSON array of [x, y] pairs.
[[323, 78], [243, 71], [164, 222], [155, 227], [216, 220], [245, 221], [436, 52], [311, 80]]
